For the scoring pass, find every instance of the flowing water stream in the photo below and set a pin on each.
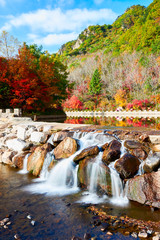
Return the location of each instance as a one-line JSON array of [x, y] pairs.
[[56, 203]]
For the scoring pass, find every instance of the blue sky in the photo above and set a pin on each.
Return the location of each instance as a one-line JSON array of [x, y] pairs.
[[51, 23]]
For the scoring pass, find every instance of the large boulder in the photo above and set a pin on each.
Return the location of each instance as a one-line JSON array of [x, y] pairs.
[[36, 159], [152, 163], [21, 133], [103, 181], [145, 189], [112, 153], [66, 148], [16, 144], [137, 149], [127, 166], [87, 152]]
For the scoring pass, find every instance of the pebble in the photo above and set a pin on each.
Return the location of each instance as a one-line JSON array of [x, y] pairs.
[[29, 217], [109, 233], [157, 237], [134, 234], [8, 223], [5, 227], [142, 235], [16, 236], [32, 222]]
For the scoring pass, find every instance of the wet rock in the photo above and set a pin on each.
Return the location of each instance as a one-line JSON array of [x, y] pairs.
[[131, 144], [60, 136], [109, 233], [104, 226], [112, 153], [136, 148], [66, 148], [36, 159], [145, 138], [103, 179], [127, 166], [90, 151], [145, 189], [18, 160], [155, 139], [105, 146], [152, 163]]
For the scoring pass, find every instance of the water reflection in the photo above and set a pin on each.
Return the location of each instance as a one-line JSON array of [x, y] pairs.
[[153, 123]]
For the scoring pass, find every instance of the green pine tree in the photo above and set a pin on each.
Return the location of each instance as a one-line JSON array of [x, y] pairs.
[[95, 84]]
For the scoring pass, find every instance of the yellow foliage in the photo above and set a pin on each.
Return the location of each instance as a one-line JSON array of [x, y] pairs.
[[120, 98]]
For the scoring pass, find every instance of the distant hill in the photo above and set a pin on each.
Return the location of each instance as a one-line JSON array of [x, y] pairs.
[[137, 29]]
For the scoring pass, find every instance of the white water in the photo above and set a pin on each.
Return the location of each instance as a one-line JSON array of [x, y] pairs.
[[62, 179], [24, 170]]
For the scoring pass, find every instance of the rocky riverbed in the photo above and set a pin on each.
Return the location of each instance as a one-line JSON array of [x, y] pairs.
[[131, 156]]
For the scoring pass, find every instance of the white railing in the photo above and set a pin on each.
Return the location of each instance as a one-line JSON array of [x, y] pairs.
[[10, 112], [139, 114]]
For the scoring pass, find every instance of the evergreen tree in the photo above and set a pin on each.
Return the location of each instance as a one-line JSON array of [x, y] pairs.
[[95, 84]]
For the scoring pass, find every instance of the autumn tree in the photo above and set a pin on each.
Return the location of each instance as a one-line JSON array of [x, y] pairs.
[[4, 84]]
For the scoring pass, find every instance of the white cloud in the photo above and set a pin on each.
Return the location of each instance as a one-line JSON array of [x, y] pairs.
[[52, 39], [2, 3], [56, 20]]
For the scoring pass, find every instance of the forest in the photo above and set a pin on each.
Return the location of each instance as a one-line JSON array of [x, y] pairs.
[[126, 56], [109, 67]]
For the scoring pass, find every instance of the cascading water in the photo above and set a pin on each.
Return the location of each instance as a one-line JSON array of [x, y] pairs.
[[24, 170], [62, 179], [96, 176]]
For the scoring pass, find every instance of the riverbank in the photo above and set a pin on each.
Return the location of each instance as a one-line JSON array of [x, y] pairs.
[[109, 166]]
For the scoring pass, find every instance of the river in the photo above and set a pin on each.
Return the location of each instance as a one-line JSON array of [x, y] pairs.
[[55, 218]]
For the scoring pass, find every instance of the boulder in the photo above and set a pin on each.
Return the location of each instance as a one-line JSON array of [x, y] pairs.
[[112, 153], [7, 156], [66, 148], [132, 144], [18, 160], [152, 163], [60, 136], [84, 173], [38, 137], [16, 144], [21, 133], [145, 189], [137, 149], [127, 166], [36, 159], [87, 152], [156, 148]]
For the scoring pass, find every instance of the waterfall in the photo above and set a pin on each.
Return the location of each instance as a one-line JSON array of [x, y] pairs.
[[24, 170], [118, 194], [62, 179]]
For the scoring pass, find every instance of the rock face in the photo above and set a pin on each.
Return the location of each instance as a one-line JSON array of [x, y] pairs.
[[127, 166], [66, 148], [90, 151], [145, 189], [36, 159], [152, 163], [103, 178], [112, 153]]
